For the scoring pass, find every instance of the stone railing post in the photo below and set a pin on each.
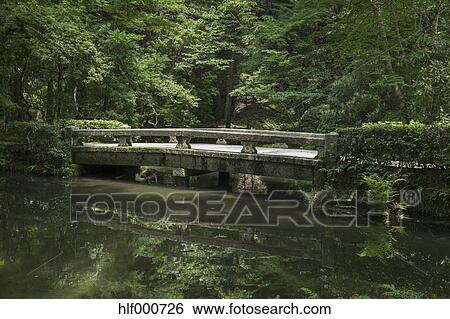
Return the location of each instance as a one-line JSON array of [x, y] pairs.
[[321, 151], [71, 136], [221, 141], [248, 147], [125, 140], [183, 142], [331, 149]]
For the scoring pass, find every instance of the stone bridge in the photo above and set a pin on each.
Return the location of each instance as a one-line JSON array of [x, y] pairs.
[[193, 151]]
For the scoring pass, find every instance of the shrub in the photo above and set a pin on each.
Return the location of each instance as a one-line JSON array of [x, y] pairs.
[[36, 147], [393, 292], [418, 153], [393, 143], [41, 148], [92, 124], [379, 188]]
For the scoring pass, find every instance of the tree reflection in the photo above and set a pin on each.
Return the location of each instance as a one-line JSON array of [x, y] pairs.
[[42, 255]]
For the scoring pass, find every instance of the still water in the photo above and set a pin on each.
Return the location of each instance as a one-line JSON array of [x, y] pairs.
[[44, 255]]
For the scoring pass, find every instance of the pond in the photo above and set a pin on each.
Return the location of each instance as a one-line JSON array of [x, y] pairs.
[[43, 254]]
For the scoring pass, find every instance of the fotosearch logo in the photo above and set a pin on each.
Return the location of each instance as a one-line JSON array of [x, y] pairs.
[[220, 207]]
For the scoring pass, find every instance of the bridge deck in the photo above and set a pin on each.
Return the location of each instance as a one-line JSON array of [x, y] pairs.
[[308, 154], [257, 153]]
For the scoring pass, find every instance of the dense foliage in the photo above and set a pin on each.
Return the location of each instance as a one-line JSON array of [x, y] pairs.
[[292, 65], [303, 65], [91, 124], [397, 144], [389, 157], [41, 148], [351, 61], [34, 147]]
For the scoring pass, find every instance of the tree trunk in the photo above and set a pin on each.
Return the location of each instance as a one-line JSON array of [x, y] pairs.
[[48, 114], [59, 112], [5, 119], [439, 10], [229, 88], [268, 6], [396, 92], [17, 95]]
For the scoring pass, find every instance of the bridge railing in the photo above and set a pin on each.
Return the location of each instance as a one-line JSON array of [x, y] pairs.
[[325, 144]]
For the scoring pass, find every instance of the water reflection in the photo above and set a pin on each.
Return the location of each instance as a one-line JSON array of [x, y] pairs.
[[44, 255]]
